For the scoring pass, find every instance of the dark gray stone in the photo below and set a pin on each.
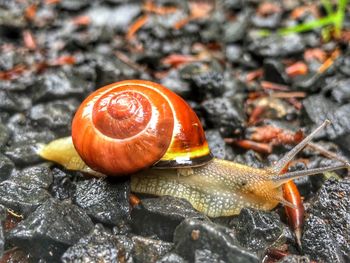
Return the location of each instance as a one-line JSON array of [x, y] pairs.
[[274, 71], [58, 85], [24, 131], [257, 230], [62, 186], [318, 108], [21, 199], [295, 259], [192, 235], [4, 135], [171, 258], [3, 214], [104, 201], [98, 246], [149, 250], [224, 113], [160, 216], [277, 46], [326, 230], [206, 256], [23, 154], [56, 115], [218, 146], [36, 176], [6, 167], [50, 230]]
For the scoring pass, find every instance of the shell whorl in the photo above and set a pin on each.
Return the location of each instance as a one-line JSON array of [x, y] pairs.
[[131, 125]]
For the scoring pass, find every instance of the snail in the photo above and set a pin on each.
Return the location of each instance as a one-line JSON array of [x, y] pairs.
[[143, 129]]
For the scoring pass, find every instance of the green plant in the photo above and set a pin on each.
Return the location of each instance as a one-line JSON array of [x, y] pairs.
[[332, 22]]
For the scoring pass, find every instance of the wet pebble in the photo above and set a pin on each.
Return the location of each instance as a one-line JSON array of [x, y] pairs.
[[208, 84], [111, 69], [23, 154], [218, 146], [21, 198], [326, 230], [236, 31], [171, 258], [58, 85], [56, 115], [274, 71], [271, 21], [4, 135], [36, 176], [62, 186], [23, 131], [277, 46], [224, 114], [6, 167], [50, 229], [234, 53], [73, 5], [13, 101], [99, 245], [103, 201], [295, 259], [257, 229], [160, 216], [149, 250], [118, 17], [318, 108], [3, 214], [192, 235]]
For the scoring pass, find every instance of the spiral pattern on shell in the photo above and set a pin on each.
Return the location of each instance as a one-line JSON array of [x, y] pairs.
[[131, 125]]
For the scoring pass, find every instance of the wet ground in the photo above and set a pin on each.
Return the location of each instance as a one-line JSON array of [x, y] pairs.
[[255, 93]]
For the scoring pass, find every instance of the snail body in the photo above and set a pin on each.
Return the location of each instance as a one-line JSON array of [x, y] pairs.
[[143, 129]]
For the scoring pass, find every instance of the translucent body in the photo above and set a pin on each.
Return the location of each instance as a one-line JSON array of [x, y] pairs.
[[220, 188]]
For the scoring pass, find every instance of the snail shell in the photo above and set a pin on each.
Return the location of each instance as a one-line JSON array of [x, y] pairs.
[[131, 125]]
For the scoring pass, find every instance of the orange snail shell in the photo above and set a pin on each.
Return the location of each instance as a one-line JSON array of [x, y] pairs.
[[131, 125]]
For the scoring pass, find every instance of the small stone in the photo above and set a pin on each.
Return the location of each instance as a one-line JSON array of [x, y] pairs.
[[206, 256], [224, 114], [326, 230], [274, 71], [208, 84], [257, 230], [295, 259], [277, 46], [171, 258], [237, 30], [23, 154], [56, 85], [36, 176], [13, 101], [98, 246], [110, 69], [21, 199], [24, 131], [56, 115], [4, 135], [149, 250], [3, 213], [272, 21], [234, 53], [103, 201], [218, 146], [51, 229], [217, 239], [6, 167], [62, 186], [318, 108], [160, 216], [73, 5]]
